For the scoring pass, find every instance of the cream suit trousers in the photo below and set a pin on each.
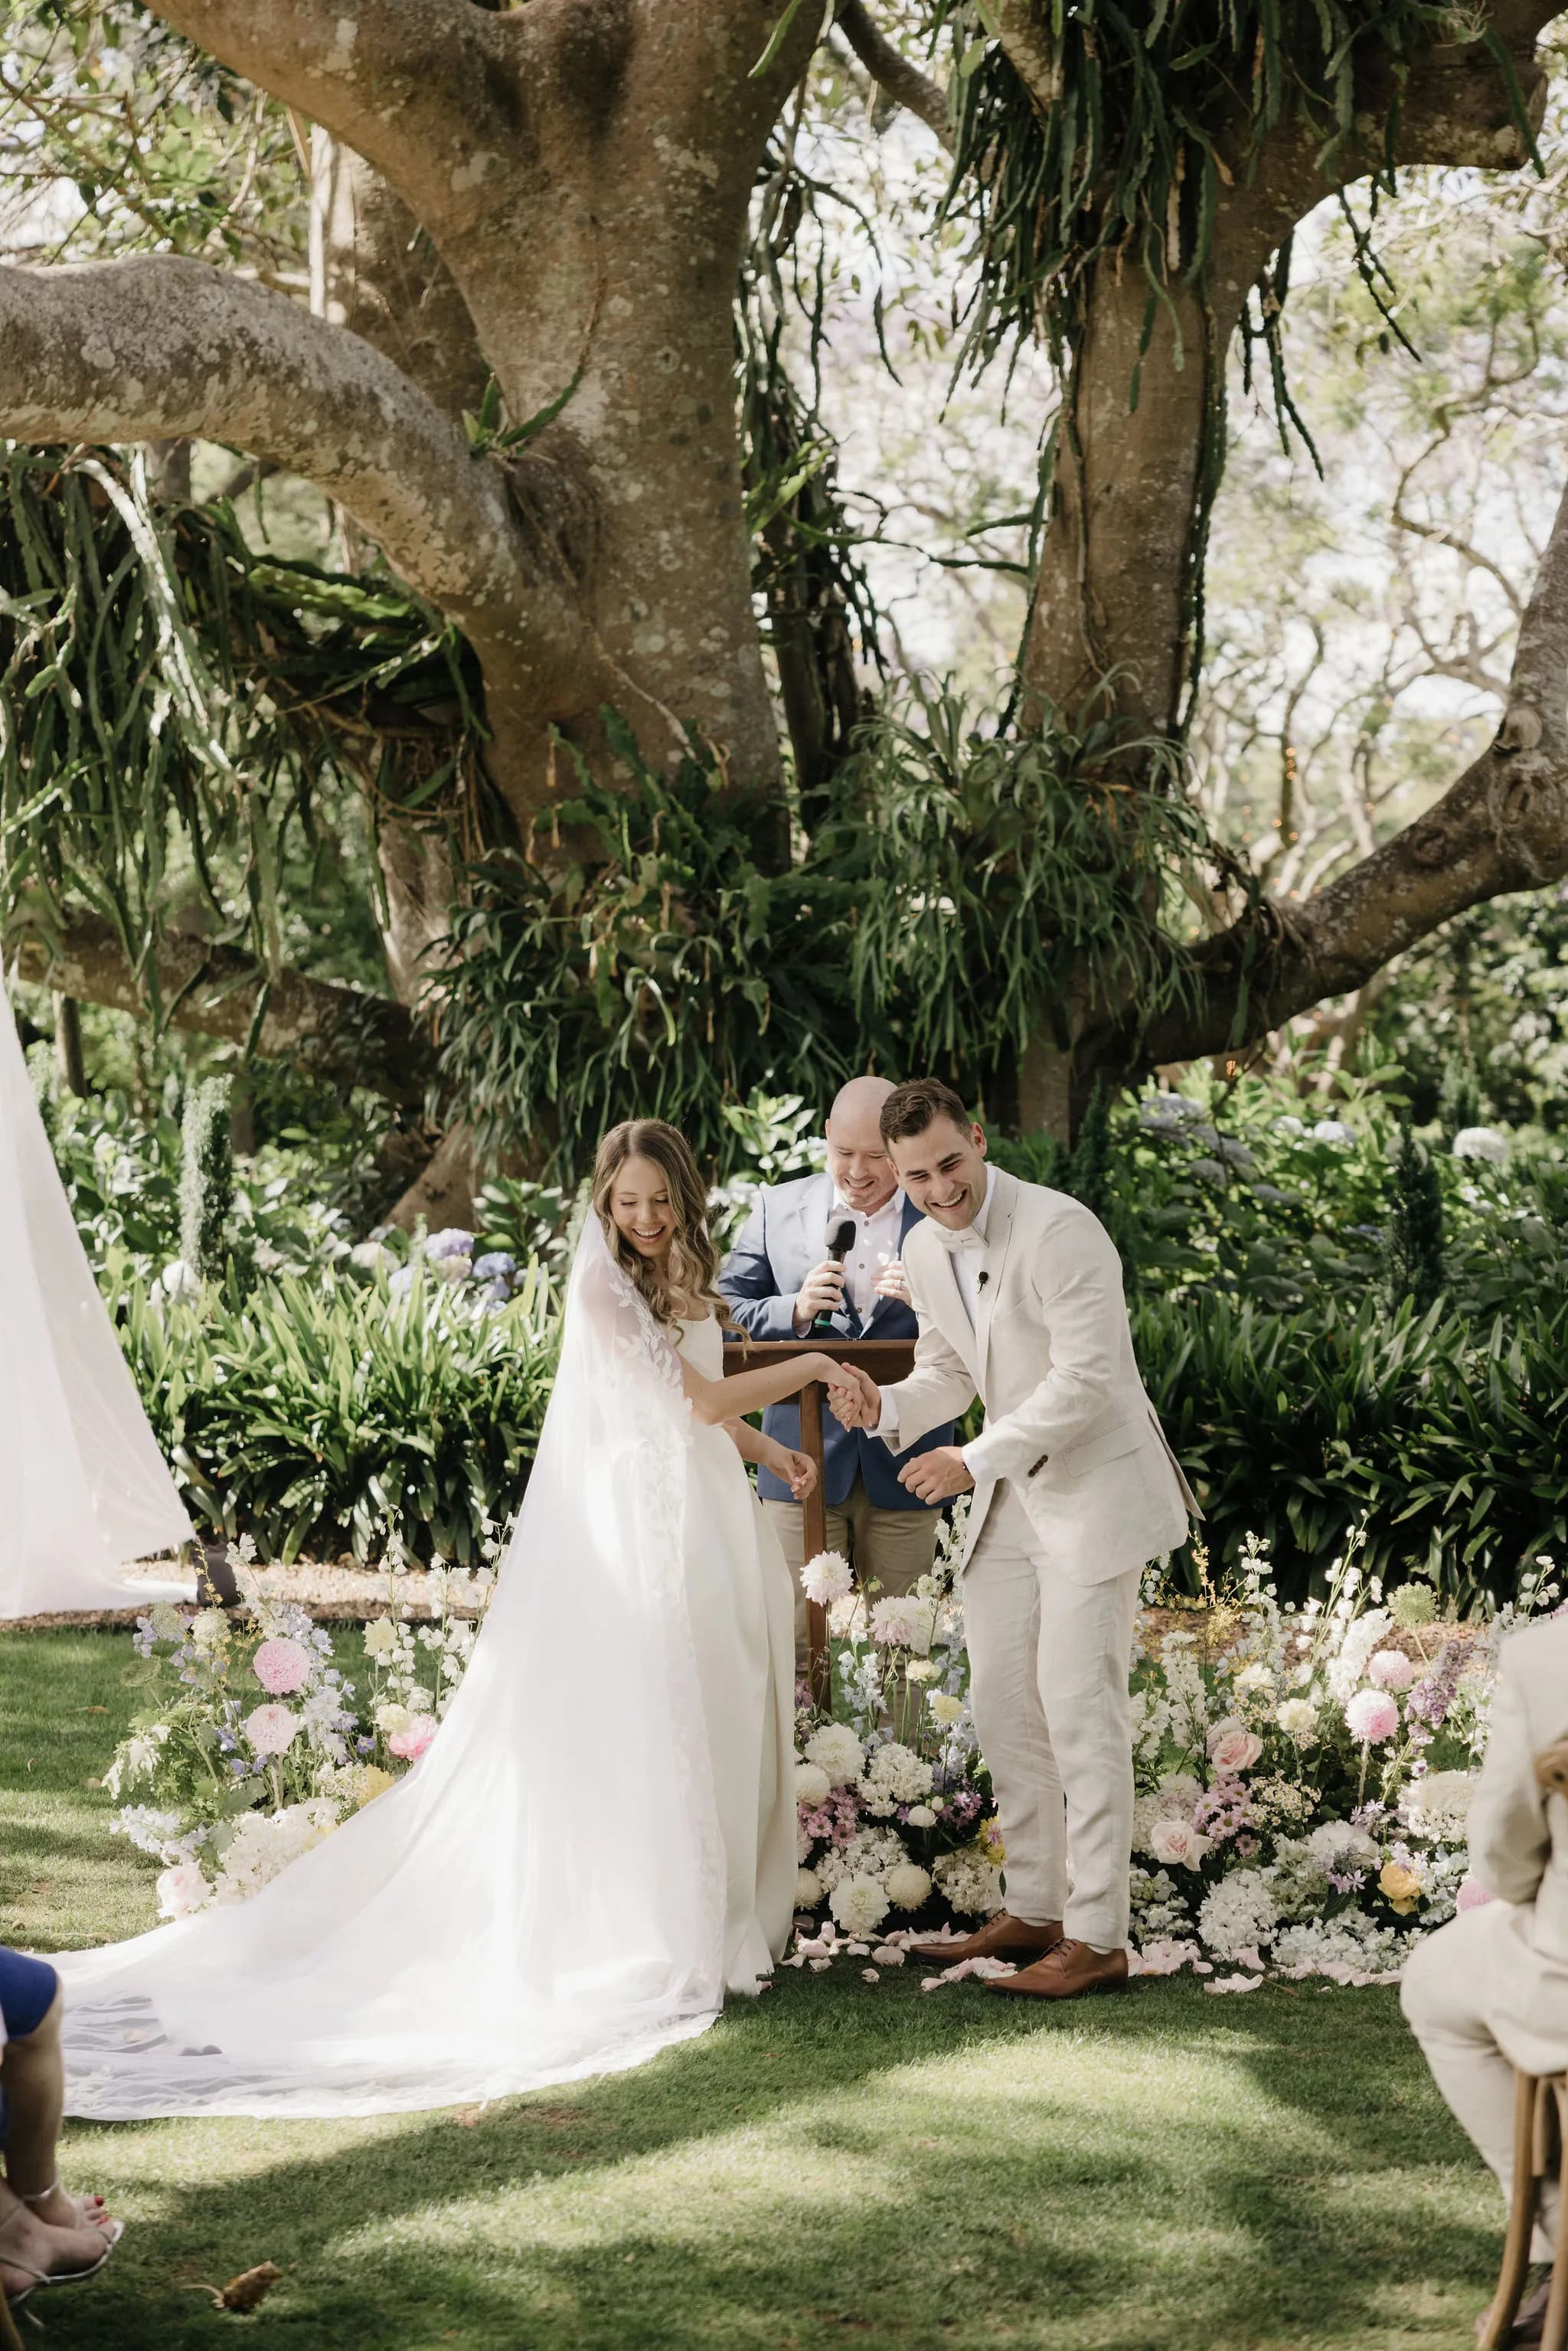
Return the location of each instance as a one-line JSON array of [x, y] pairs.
[[1049, 1663], [1445, 1993]]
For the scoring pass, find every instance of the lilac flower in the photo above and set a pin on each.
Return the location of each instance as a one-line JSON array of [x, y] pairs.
[[1431, 1698]]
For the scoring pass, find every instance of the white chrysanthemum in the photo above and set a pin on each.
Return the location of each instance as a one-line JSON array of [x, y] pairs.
[[945, 1705], [921, 1816], [1239, 1913], [1298, 1719], [812, 1785], [808, 1889], [381, 1637], [839, 1752], [1438, 1806], [908, 1886], [859, 1904], [1340, 1847], [968, 1883], [1257, 1677], [870, 1853], [895, 1775], [826, 1578], [1481, 1143]]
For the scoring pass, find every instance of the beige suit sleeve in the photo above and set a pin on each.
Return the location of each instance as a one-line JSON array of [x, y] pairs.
[[1510, 1836], [1077, 1277], [940, 1388]]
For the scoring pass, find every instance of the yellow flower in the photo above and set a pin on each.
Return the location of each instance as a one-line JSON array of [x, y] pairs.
[[380, 1636], [945, 1708], [371, 1781], [919, 1669], [990, 1840], [1400, 1886]]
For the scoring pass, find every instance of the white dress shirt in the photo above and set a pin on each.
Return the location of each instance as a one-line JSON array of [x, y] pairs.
[[877, 1243]]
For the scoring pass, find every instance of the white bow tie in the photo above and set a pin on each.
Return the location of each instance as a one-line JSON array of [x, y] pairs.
[[970, 1239]]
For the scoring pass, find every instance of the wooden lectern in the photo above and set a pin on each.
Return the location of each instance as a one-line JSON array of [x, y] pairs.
[[885, 1360]]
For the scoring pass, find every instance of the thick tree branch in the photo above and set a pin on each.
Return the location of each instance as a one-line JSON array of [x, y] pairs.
[[150, 348], [893, 71], [342, 1034], [1502, 827]]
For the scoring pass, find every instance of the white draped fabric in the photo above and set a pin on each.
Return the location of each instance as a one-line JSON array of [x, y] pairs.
[[85, 1487], [561, 1885]]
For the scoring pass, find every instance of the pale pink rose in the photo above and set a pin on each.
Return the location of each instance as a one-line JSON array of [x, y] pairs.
[[182, 1890], [1391, 1670], [1372, 1716], [281, 1667], [412, 1742], [1472, 1895], [1178, 1844], [271, 1730], [1237, 1751]]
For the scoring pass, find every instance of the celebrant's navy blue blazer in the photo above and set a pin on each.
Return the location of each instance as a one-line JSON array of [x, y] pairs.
[[785, 1235]]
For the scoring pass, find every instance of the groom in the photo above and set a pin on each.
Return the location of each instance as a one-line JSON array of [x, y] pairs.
[[1019, 1292]]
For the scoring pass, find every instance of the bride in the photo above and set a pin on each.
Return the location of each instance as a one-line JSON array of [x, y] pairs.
[[601, 1841]]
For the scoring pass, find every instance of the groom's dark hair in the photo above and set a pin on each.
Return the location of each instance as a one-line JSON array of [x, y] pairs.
[[910, 1109]]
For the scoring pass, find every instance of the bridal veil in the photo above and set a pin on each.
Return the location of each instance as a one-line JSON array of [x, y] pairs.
[[542, 1896]]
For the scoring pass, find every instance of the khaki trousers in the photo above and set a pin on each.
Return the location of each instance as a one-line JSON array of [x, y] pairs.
[[891, 1547], [1049, 1666], [1444, 1994]]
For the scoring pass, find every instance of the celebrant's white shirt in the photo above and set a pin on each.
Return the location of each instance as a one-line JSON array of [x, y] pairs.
[[878, 1238], [967, 1263]]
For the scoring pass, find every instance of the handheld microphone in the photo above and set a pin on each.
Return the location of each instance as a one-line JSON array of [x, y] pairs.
[[841, 1240]]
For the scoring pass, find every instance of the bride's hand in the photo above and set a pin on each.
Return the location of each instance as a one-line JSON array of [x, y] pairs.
[[820, 1367], [798, 1470]]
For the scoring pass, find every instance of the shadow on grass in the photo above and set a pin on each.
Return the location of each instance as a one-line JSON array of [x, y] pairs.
[[1164, 2173]]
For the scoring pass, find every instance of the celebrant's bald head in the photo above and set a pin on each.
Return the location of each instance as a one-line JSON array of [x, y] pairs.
[[857, 1155]]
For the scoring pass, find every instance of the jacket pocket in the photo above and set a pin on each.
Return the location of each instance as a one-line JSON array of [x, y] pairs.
[[1092, 1452]]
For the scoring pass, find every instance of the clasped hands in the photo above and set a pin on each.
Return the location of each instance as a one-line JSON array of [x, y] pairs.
[[856, 1403]]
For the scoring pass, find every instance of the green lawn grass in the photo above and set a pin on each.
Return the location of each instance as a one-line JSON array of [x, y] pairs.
[[831, 2164]]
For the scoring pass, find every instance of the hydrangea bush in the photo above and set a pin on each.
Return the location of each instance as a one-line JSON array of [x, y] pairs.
[[1302, 1776], [257, 1745]]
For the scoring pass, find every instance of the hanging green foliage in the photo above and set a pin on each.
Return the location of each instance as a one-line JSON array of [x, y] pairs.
[[1148, 112], [636, 959], [1010, 878], [175, 708]]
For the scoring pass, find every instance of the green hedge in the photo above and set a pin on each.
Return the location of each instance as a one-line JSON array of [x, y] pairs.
[[324, 1416], [1445, 1433]]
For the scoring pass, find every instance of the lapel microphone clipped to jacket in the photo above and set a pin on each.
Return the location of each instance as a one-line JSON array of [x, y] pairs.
[[984, 1277]]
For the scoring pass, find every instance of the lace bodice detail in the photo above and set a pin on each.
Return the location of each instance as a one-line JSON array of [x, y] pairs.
[[702, 1344]]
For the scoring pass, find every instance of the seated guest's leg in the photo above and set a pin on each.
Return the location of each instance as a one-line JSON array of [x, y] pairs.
[[1444, 1996], [31, 2076]]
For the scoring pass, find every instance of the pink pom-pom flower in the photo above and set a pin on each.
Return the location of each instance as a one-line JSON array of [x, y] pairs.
[[271, 1730], [1372, 1716], [282, 1666], [1391, 1670], [411, 1741], [1472, 1895]]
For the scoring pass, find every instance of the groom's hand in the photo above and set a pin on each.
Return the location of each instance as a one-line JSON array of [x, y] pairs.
[[858, 1403], [933, 1476]]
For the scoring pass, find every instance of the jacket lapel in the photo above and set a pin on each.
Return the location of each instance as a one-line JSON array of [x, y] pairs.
[[942, 1301], [999, 1233]]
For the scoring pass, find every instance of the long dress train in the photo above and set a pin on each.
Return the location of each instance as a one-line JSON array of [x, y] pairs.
[[85, 1487], [598, 1843]]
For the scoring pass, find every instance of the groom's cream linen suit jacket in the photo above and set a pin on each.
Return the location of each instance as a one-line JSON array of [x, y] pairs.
[[1051, 1356]]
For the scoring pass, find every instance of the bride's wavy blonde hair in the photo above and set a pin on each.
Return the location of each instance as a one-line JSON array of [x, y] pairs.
[[687, 1283]]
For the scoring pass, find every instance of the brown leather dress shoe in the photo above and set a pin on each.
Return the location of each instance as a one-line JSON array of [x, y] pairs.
[[1070, 1968], [1001, 1938]]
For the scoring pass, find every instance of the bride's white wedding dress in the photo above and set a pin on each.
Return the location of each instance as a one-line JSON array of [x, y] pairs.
[[598, 1843], [83, 1485]]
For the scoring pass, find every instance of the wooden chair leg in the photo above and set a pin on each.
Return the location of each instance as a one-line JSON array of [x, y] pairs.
[[1555, 2333], [1521, 2218]]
